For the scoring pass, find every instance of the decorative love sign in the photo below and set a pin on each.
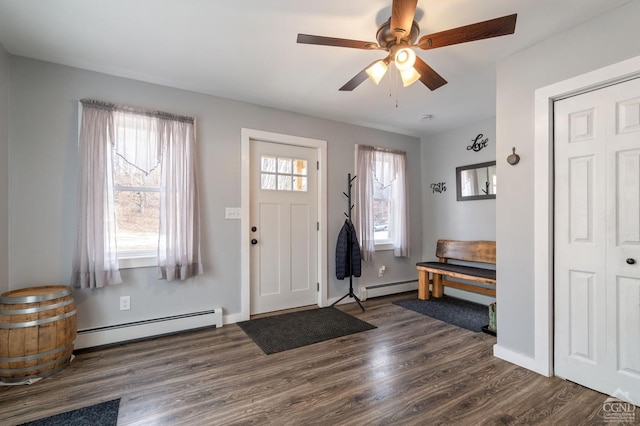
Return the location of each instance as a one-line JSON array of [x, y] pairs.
[[478, 143], [439, 187]]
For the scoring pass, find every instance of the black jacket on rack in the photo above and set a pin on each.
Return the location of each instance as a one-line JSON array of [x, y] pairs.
[[348, 258]]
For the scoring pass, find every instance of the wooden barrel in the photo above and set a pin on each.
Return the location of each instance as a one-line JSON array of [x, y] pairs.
[[37, 329]]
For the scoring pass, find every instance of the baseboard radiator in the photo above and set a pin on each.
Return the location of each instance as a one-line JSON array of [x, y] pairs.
[[378, 290], [102, 336]]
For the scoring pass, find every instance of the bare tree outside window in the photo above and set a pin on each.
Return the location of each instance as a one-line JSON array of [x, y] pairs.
[[137, 203]]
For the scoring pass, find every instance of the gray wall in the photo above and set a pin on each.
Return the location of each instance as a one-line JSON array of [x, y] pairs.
[[443, 216], [605, 40], [42, 190], [4, 170]]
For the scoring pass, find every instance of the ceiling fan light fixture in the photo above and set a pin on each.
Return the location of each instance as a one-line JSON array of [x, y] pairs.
[[409, 76], [377, 70], [405, 58]]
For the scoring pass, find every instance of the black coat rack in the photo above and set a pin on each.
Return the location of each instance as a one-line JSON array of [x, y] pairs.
[[349, 242]]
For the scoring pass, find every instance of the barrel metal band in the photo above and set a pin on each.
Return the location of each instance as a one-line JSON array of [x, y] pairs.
[[67, 361], [37, 322], [32, 368], [37, 356], [37, 309], [31, 299]]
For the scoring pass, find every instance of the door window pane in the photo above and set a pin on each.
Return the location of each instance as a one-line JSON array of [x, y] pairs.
[[284, 165], [283, 174], [268, 164], [284, 183], [268, 181], [300, 167], [300, 183]]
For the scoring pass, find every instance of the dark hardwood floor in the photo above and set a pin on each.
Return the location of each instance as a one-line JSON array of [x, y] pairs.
[[411, 370]]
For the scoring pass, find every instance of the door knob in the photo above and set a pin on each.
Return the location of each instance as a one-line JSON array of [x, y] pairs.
[[254, 241], [631, 261]]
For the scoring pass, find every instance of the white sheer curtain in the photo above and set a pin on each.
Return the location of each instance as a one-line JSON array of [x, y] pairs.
[[179, 244], [400, 199], [145, 139], [387, 168], [365, 180], [95, 263]]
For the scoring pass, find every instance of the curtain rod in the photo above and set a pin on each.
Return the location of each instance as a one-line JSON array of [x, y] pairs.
[[92, 103], [375, 148]]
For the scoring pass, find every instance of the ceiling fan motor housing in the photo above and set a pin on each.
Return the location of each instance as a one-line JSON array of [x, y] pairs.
[[387, 38]]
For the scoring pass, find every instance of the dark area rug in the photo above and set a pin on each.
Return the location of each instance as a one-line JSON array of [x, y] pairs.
[[293, 330], [103, 414], [462, 313]]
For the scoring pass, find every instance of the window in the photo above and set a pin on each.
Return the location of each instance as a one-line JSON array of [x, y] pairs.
[[381, 201], [137, 208], [283, 174], [138, 194], [382, 204]]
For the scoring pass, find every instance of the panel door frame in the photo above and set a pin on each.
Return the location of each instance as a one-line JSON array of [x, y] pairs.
[[245, 276], [542, 362]]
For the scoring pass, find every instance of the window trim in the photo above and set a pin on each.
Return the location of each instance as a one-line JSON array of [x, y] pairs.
[[131, 261], [383, 246]]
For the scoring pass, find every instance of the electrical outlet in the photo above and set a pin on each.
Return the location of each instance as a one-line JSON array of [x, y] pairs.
[[125, 303], [381, 270]]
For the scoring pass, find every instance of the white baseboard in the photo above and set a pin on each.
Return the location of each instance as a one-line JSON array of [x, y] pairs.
[[387, 289], [519, 359], [234, 318], [143, 329]]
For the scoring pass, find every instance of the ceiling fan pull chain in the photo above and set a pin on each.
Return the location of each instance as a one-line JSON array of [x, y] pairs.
[[397, 91]]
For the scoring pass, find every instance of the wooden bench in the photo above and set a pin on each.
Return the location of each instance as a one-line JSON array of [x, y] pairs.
[[467, 251]]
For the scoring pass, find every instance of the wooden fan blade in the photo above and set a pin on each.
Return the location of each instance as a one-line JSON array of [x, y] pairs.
[[356, 80], [402, 13], [428, 76], [338, 42], [478, 31]]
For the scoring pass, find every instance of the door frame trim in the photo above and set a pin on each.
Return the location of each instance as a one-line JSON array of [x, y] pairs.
[[245, 256], [543, 196]]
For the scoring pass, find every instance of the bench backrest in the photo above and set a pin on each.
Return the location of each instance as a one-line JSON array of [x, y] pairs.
[[470, 251]]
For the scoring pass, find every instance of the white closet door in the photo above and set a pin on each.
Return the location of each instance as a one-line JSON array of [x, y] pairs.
[[597, 240]]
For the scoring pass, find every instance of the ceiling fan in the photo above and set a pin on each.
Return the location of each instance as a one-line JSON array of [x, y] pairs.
[[398, 37]]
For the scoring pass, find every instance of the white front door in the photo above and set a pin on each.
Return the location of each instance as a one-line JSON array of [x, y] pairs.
[[597, 240], [284, 226]]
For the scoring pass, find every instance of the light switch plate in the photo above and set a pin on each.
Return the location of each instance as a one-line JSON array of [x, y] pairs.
[[232, 213]]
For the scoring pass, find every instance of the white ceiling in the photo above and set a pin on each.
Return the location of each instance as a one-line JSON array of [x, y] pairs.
[[246, 50]]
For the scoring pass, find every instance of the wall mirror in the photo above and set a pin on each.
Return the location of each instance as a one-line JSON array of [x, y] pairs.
[[476, 181]]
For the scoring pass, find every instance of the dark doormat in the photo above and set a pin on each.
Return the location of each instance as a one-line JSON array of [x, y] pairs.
[[293, 330], [103, 414], [462, 313]]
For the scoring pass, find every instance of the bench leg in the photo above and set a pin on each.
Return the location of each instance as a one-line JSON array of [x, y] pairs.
[[423, 285], [438, 288]]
